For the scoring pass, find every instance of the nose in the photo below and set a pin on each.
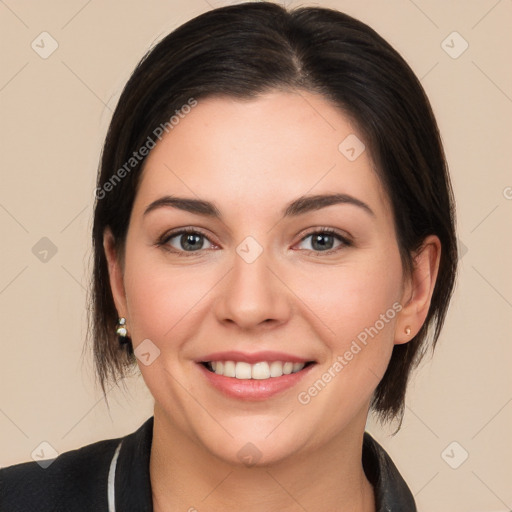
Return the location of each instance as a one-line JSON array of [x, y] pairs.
[[253, 295]]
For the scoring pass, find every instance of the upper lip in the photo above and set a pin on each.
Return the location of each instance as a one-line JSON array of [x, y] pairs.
[[252, 358]]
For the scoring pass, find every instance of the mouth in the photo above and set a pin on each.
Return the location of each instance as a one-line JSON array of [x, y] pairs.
[[261, 370], [253, 376]]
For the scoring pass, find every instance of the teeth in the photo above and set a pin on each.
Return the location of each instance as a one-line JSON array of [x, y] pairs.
[[276, 369], [287, 368], [259, 371], [229, 369], [242, 371], [219, 368]]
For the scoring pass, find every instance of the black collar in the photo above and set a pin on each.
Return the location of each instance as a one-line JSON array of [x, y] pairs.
[[133, 485]]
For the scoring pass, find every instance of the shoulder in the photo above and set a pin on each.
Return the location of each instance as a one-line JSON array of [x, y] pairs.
[[76, 480]]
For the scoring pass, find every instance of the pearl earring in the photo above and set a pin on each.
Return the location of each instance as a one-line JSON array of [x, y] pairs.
[[121, 331], [407, 330], [125, 342]]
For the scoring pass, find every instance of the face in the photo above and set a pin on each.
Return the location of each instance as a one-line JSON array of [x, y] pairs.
[[269, 277]]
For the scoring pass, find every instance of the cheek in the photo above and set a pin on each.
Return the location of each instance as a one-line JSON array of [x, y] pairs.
[[162, 300], [172, 305], [359, 306], [353, 297]]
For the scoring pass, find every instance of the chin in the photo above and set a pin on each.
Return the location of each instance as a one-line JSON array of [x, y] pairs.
[[254, 444], [254, 453]]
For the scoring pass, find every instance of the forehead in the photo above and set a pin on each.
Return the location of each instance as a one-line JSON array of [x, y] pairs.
[[261, 151]]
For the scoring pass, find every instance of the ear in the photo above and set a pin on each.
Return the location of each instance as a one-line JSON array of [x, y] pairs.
[[115, 271], [418, 290]]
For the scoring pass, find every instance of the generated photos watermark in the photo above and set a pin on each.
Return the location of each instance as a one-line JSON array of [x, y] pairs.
[[139, 155], [361, 340]]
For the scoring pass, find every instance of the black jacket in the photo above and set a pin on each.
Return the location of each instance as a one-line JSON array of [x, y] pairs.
[[91, 478]]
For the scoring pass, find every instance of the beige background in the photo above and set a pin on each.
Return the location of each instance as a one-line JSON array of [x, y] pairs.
[[54, 115]]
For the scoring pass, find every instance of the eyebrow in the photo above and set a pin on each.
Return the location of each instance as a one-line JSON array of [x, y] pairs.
[[297, 207]]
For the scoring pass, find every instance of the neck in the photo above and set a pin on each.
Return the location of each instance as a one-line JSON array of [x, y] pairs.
[[186, 476]]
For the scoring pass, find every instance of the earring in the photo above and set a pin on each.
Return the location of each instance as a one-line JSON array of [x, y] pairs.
[[125, 342], [121, 331], [407, 330]]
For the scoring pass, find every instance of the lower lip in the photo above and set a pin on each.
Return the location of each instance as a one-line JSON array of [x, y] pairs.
[[254, 389]]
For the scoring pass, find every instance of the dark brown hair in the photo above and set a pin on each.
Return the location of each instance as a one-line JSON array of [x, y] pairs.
[[243, 51]]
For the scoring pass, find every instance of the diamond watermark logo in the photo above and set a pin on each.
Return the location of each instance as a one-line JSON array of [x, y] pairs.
[[146, 352], [461, 248], [454, 455], [44, 45], [454, 45], [249, 454], [44, 250], [44, 454], [249, 249], [351, 147]]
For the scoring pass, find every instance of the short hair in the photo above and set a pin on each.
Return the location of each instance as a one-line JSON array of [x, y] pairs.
[[243, 51]]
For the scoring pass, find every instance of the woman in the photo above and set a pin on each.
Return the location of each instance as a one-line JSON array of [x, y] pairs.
[[274, 243]]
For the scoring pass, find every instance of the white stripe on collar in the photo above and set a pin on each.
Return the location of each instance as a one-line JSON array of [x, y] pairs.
[[112, 479]]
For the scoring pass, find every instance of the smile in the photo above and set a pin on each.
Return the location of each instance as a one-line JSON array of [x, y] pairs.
[[259, 371], [253, 376]]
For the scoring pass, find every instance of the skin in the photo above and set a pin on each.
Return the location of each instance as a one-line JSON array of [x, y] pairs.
[[251, 158]]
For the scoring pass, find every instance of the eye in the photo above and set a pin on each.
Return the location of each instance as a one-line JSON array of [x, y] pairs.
[[190, 240], [325, 240], [185, 240]]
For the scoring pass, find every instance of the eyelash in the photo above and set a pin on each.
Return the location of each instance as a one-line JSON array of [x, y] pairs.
[[164, 240]]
